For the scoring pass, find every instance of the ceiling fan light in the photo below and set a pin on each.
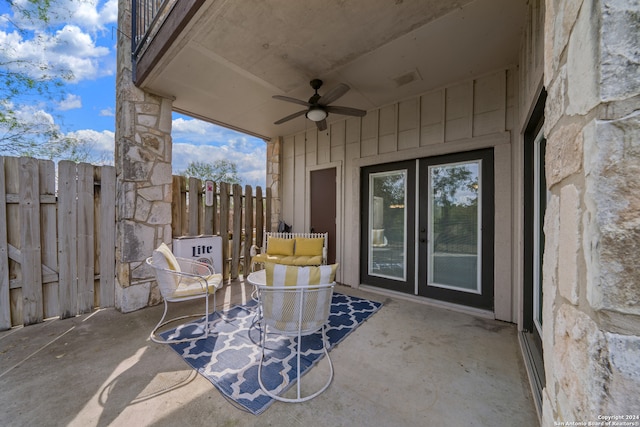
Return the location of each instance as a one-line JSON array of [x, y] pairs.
[[316, 114]]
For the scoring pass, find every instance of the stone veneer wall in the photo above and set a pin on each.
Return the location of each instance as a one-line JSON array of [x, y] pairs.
[[591, 267], [274, 172], [143, 168]]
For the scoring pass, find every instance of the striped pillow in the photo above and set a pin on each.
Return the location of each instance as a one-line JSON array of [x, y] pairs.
[[164, 258], [290, 275]]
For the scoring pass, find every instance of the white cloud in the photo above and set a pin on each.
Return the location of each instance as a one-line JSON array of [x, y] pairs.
[[100, 144], [33, 114], [200, 132], [107, 112], [71, 47], [67, 49], [88, 16], [91, 15], [71, 102], [251, 165], [211, 143], [187, 126], [100, 141], [195, 140]]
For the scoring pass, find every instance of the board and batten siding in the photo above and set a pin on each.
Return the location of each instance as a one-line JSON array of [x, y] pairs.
[[473, 114]]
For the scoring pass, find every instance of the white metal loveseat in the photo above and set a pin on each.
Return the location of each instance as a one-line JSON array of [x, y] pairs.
[[301, 249]]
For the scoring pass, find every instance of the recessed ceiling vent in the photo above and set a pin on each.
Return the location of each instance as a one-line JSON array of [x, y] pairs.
[[406, 78]]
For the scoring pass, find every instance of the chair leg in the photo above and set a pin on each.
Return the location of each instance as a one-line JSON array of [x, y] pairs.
[[153, 337], [325, 344], [206, 313], [213, 312]]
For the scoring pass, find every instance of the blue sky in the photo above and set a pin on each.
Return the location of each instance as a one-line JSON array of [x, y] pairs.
[[84, 41]]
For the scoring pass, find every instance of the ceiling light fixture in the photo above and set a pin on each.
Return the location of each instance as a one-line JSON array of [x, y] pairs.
[[316, 114]]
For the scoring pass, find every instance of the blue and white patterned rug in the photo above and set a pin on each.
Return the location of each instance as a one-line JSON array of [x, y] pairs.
[[229, 357]]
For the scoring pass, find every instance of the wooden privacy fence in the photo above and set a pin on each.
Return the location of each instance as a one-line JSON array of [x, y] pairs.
[[240, 219], [57, 247]]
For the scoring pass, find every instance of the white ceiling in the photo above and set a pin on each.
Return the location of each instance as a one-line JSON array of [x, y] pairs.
[[236, 54]]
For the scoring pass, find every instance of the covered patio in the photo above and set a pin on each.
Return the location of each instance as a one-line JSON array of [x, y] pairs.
[[100, 369]]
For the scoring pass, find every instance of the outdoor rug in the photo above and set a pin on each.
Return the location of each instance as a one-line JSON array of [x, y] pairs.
[[229, 357]]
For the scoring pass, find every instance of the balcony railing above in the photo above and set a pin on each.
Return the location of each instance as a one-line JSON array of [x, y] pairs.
[[146, 17]]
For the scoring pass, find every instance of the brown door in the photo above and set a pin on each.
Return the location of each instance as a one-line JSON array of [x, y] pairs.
[[323, 207]]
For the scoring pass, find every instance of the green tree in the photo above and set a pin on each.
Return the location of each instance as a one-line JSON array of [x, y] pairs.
[[455, 204], [218, 171], [24, 129]]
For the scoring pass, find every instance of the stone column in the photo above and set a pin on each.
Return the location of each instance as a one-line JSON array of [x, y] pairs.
[[274, 172], [591, 274], [143, 168]]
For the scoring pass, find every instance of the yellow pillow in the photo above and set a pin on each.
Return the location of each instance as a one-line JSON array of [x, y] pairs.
[[278, 246], [290, 275], [308, 246]]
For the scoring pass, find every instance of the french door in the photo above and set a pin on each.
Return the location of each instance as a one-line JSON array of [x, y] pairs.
[[456, 228], [427, 227]]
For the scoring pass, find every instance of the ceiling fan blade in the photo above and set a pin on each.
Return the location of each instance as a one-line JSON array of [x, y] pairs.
[[345, 111], [289, 117], [334, 94], [322, 125], [289, 99]]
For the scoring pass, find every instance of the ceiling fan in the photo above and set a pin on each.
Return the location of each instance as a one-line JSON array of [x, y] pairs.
[[318, 106]]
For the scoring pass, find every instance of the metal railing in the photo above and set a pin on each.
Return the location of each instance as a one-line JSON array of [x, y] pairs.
[[145, 17]]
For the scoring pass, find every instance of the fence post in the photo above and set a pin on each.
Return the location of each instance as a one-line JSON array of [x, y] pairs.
[[32, 308], [5, 306], [210, 212], [195, 203], [107, 235], [67, 227], [49, 233], [224, 227], [259, 214], [86, 252], [248, 228], [237, 230], [267, 215], [177, 207]]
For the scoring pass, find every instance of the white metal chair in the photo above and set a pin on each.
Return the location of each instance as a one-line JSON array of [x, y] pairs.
[[182, 279], [295, 311]]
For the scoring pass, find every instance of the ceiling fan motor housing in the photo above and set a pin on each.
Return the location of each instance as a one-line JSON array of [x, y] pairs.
[[316, 84]]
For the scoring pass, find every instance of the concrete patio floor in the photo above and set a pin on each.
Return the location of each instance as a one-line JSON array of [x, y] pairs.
[[410, 364]]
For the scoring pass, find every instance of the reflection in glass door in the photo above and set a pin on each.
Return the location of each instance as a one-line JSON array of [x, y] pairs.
[[456, 228], [388, 243], [388, 237], [540, 199], [454, 250]]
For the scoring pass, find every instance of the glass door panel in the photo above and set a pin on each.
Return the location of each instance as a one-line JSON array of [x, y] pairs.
[[454, 254], [388, 224]]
